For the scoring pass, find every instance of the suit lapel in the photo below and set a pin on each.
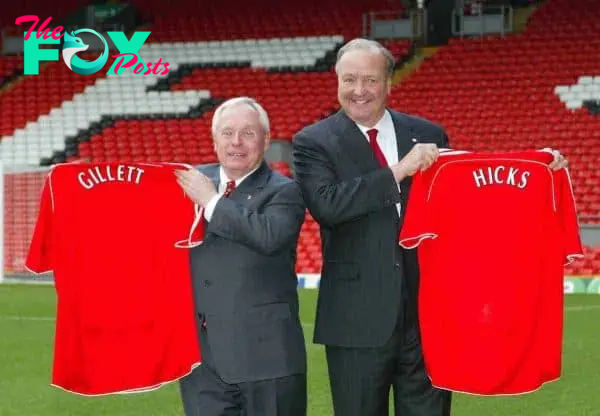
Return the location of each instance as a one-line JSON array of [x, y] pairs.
[[252, 184], [213, 173], [403, 134], [357, 148], [354, 145]]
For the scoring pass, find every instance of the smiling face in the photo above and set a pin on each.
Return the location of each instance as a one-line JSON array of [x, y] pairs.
[[363, 85], [240, 141]]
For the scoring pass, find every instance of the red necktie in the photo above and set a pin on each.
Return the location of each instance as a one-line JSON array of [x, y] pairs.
[[229, 189], [376, 149]]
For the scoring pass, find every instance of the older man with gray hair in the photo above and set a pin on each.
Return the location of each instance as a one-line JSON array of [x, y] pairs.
[[355, 169], [244, 279]]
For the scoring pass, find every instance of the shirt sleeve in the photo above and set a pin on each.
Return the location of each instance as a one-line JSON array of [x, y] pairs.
[[210, 207], [40, 256], [567, 215], [417, 224]]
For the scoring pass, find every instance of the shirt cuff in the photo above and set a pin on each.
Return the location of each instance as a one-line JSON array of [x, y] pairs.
[[210, 207]]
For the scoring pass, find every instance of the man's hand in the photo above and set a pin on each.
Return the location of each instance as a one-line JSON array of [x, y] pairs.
[[421, 156], [197, 186], [559, 161]]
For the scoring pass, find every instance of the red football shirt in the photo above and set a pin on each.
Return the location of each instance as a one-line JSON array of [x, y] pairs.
[[125, 314], [493, 231]]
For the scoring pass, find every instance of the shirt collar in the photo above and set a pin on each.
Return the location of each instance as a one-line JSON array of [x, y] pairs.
[[381, 124], [224, 179]]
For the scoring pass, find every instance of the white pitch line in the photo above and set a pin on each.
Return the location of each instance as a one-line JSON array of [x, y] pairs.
[[27, 318], [581, 308], [306, 324]]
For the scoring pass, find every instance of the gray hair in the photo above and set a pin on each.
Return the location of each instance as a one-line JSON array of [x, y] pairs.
[[367, 45], [263, 117]]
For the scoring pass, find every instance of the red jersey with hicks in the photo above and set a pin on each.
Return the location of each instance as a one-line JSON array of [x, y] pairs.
[[494, 231], [115, 237]]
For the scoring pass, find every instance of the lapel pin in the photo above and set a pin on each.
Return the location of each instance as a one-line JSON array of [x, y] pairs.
[[249, 196]]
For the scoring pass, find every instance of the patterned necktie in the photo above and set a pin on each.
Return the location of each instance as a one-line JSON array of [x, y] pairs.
[[375, 147], [229, 189]]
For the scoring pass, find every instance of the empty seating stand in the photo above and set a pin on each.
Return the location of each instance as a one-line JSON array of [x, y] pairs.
[[521, 92], [530, 90]]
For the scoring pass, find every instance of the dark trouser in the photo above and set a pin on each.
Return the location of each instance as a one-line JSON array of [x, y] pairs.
[[204, 393], [361, 378]]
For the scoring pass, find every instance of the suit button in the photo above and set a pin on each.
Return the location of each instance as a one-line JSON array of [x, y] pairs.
[[207, 283], [397, 265]]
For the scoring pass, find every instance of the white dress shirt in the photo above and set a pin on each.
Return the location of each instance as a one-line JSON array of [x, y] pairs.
[[210, 206], [386, 138]]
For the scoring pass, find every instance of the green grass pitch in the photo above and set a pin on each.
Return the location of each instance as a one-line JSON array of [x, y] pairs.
[[26, 340]]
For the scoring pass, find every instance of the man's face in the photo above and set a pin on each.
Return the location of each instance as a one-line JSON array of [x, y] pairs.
[[240, 141], [363, 85]]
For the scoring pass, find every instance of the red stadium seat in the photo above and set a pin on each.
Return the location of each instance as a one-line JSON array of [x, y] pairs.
[[588, 266], [281, 167], [237, 19], [498, 93], [490, 93]]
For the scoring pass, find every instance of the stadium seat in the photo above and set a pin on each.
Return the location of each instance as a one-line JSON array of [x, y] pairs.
[[587, 266], [281, 167], [81, 102], [309, 247], [185, 21], [518, 92], [524, 91]]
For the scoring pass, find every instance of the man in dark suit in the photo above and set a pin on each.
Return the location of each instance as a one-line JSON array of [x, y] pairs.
[[354, 169], [245, 285]]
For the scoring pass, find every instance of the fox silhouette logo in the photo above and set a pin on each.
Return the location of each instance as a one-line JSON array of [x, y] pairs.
[[74, 44]]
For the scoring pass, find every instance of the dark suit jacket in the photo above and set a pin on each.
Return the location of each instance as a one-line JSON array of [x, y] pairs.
[[244, 278], [366, 277]]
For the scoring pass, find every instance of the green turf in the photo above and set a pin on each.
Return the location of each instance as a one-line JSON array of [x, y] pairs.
[[26, 354]]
